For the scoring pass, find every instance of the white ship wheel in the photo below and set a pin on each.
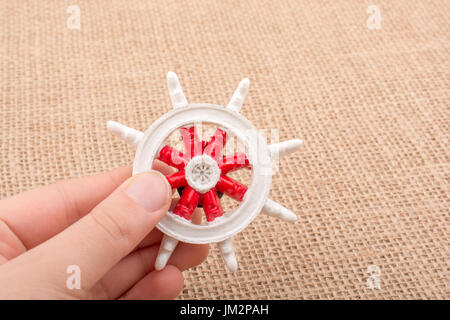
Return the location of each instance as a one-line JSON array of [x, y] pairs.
[[202, 171]]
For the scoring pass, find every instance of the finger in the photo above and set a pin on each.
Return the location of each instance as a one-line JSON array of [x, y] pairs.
[[197, 217], [155, 236], [139, 263], [102, 238], [157, 285], [37, 215], [163, 167]]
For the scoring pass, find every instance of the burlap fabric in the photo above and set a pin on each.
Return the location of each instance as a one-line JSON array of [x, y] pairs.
[[371, 184]]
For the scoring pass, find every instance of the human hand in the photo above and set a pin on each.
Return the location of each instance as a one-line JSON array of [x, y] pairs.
[[102, 224]]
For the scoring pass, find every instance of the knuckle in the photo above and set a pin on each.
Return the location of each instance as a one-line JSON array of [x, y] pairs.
[[113, 225], [70, 207], [113, 178]]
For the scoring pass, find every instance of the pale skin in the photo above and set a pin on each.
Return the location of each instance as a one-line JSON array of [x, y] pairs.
[[93, 223]]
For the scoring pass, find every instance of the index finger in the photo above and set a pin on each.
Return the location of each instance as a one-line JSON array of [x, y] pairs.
[[37, 215]]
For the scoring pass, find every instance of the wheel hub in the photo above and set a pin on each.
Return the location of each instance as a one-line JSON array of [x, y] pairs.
[[202, 173]]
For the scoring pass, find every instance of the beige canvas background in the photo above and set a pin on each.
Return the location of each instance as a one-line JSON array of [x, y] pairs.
[[371, 184]]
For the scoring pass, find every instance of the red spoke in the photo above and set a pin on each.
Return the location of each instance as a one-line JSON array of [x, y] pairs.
[[231, 188], [187, 203], [234, 162], [177, 179], [211, 205], [215, 146], [172, 157], [192, 146]]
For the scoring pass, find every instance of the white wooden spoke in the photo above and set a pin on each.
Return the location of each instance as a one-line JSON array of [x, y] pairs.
[[275, 209], [175, 91], [168, 245], [238, 97], [129, 135], [227, 250], [284, 148]]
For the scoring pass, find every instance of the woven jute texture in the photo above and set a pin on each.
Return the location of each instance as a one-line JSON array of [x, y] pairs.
[[371, 183]]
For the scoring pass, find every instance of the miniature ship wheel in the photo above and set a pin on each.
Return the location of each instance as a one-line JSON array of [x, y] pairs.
[[204, 169]]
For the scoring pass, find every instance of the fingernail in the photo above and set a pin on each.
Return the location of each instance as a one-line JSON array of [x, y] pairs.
[[150, 190]]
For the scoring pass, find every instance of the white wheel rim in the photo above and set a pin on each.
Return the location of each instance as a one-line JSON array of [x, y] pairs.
[[257, 152]]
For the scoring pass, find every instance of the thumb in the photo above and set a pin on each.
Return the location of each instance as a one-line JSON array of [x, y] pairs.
[[113, 229]]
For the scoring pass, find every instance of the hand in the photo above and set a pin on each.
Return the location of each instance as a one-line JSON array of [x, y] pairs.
[[105, 226]]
